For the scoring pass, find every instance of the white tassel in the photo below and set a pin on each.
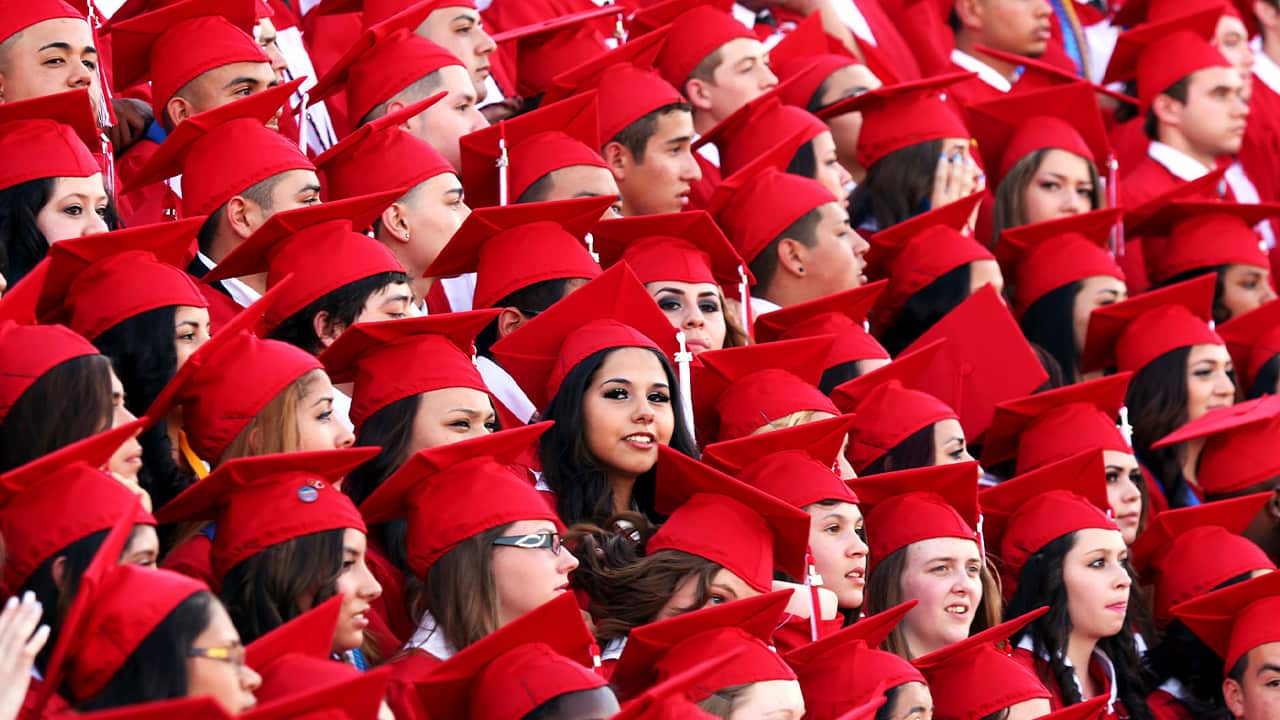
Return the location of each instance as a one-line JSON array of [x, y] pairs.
[[744, 292], [591, 246], [302, 122], [683, 359], [502, 171], [1126, 430]]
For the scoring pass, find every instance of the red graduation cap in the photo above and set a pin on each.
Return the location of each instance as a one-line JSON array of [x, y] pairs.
[[513, 247], [1130, 334], [1045, 256], [1191, 235], [1038, 74], [1252, 339], [665, 648], [35, 517], [916, 252], [1185, 553], [1029, 511], [888, 406], [94, 283], [375, 11], [844, 669], [534, 659], [986, 368], [840, 315], [1159, 54], [198, 707], [1236, 619], [907, 506], [898, 116], [976, 677], [1136, 12], [612, 311], [552, 137], [804, 59], [640, 52], [321, 245], [379, 156], [627, 92], [225, 151], [795, 464], [760, 201], [1049, 426], [1065, 117], [116, 607], [230, 378], [757, 127], [47, 136], [384, 359], [311, 634], [173, 45], [29, 12], [706, 507], [697, 30], [27, 352], [300, 686], [1239, 444], [452, 492], [867, 710], [267, 499], [386, 58], [681, 247], [738, 390], [669, 699], [544, 49]]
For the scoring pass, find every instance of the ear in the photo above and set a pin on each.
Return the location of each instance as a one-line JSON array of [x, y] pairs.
[[970, 13], [618, 158], [509, 320], [326, 328], [58, 571], [1167, 110], [1234, 695], [699, 94], [395, 223], [240, 216], [792, 255], [1264, 12], [394, 105], [178, 109]]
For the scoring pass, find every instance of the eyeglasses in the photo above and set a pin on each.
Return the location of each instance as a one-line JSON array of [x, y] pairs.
[[532, 541], [231, 654]]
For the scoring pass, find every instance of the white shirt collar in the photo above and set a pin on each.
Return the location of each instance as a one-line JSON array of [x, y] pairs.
[[505, 388], [851, 15], [1028, 644], [986, 73], [427, 639], [760, 306], [1267, 71], [1182, 165]]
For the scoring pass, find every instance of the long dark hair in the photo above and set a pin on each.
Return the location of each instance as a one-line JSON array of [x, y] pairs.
[[1049, 323], [917, 451], [70, 402], [390, 429], [1157, 402], [529, 300], [1264, 382], [24, 244], [460, 591], [897, 187], [264, 591], [925, 308], [1040, 582], [142, 352], [581, 486], [157, 668], [804, 162]]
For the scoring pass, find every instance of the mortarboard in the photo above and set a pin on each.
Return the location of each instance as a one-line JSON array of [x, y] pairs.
[[30, 351], [1235, 619], [898, 116], [544, 49], [1128, 335], [806, 455], [697, 29], [1239, 444], [1159, 54], [1196, 235], [907, 506], [758, 126], [681, 247], [841, 315], [1045, 256], [1252, 339], [48, 136], [29, 12]]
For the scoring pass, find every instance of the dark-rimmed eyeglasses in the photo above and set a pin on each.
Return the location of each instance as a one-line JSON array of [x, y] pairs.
[[532, 541]]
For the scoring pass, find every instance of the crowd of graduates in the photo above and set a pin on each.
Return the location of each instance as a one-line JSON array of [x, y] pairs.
[[575, 359]]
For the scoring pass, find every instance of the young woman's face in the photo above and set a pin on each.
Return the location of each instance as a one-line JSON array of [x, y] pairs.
[[1210, 380], [76, 207], [829, 172], [983, 273], [143, 548], [191, 329], [1245, 288], [1095, 292], [724, 587], [318, 429], [1061, 186], [1124, 493], [449, 415], [839, 545], [228, 681], [945, 575], [1095, 574], [528, 577], [913, 702], [627, 413], [771, 699], [848, 81], [695, 308], [358, 588], [948, 443]]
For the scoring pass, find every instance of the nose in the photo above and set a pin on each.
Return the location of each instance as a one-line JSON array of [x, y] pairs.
[[345, 439], [370, 589], [1122, 577], [643, 411], [1268, 292], [477, 119], [856, 547], [250, 680], [768, 80], [1043, 8], [486, 44], [694, 318], [80, 76], [689, 170], [94, 225], [566, 562], [1225, 386]]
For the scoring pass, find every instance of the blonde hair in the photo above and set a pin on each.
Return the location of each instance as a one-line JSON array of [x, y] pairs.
[[800, 417], [274, 429]]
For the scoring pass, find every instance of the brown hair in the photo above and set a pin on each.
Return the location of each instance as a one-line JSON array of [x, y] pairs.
[[884, 590], [721, 702], [735, 335], [274, 429], [460, 591], [266, 590], [69, 402], [1010, 210], [628, 588], [705, 70]]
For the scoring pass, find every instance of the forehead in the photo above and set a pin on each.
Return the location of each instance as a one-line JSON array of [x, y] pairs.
[[635, 364], [923, 550], [455, 79], [1209, 78], [219, 77], [1092, 539], [739, 49], [72, 31], [1062, 162], [1208, 352], [674, 124]]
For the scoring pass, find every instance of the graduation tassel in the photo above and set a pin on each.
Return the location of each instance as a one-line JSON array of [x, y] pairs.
[[1126, 430], [1111, 191], [683, 358], [596, 663], [302, 121], [982, 540], [502, 164], [744, 293], [619, 30], [813, 581], [591, 246], [198, 466]]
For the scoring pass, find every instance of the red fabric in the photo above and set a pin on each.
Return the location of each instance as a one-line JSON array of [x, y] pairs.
[[972, 91], [683, 247], [1164, 706], [1262, 141], [890, 43], [795, 632], [704, 188], [192, 558], [142, 204], [402, 691], [56, 704], [1041, 669], [27, 352], [391, 604], [908, 506], [221, 307], [379, 156], [438, 300], [757, 127], [48, 136]]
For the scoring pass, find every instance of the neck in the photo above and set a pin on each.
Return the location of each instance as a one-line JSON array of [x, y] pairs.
[[1179, 142], [421, 286], [1188, 458], [257, 282], [703, 121], [785, 291], [965, 45], [224, 241], [621, 487], [1080, 652], [1271, 44]]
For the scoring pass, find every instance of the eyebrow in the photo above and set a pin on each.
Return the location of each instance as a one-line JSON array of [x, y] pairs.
[[309, 188], [322, 400], [620, 381], [676, 141], [957, 438], [403, 297], [59, 45], [673, 291], [724, 587], [192, 323], [452, 191], [243, 81], [1268, 667], [470, 411]]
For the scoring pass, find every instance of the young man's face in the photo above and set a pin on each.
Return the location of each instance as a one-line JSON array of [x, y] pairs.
[[662, 182], [837, 259], [455, 115], [742, 76], [265, 34], [47, 58], [1213, 118], [1021, 27], [578, 181], [1257, 695], [220, 86], [461, 31]]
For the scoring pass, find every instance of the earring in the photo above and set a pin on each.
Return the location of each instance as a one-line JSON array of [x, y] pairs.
[[406, 234], [800, 269]]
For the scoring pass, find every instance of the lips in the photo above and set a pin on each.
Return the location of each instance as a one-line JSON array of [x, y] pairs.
[[641, 440], [1119, 607], [956, 609]]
